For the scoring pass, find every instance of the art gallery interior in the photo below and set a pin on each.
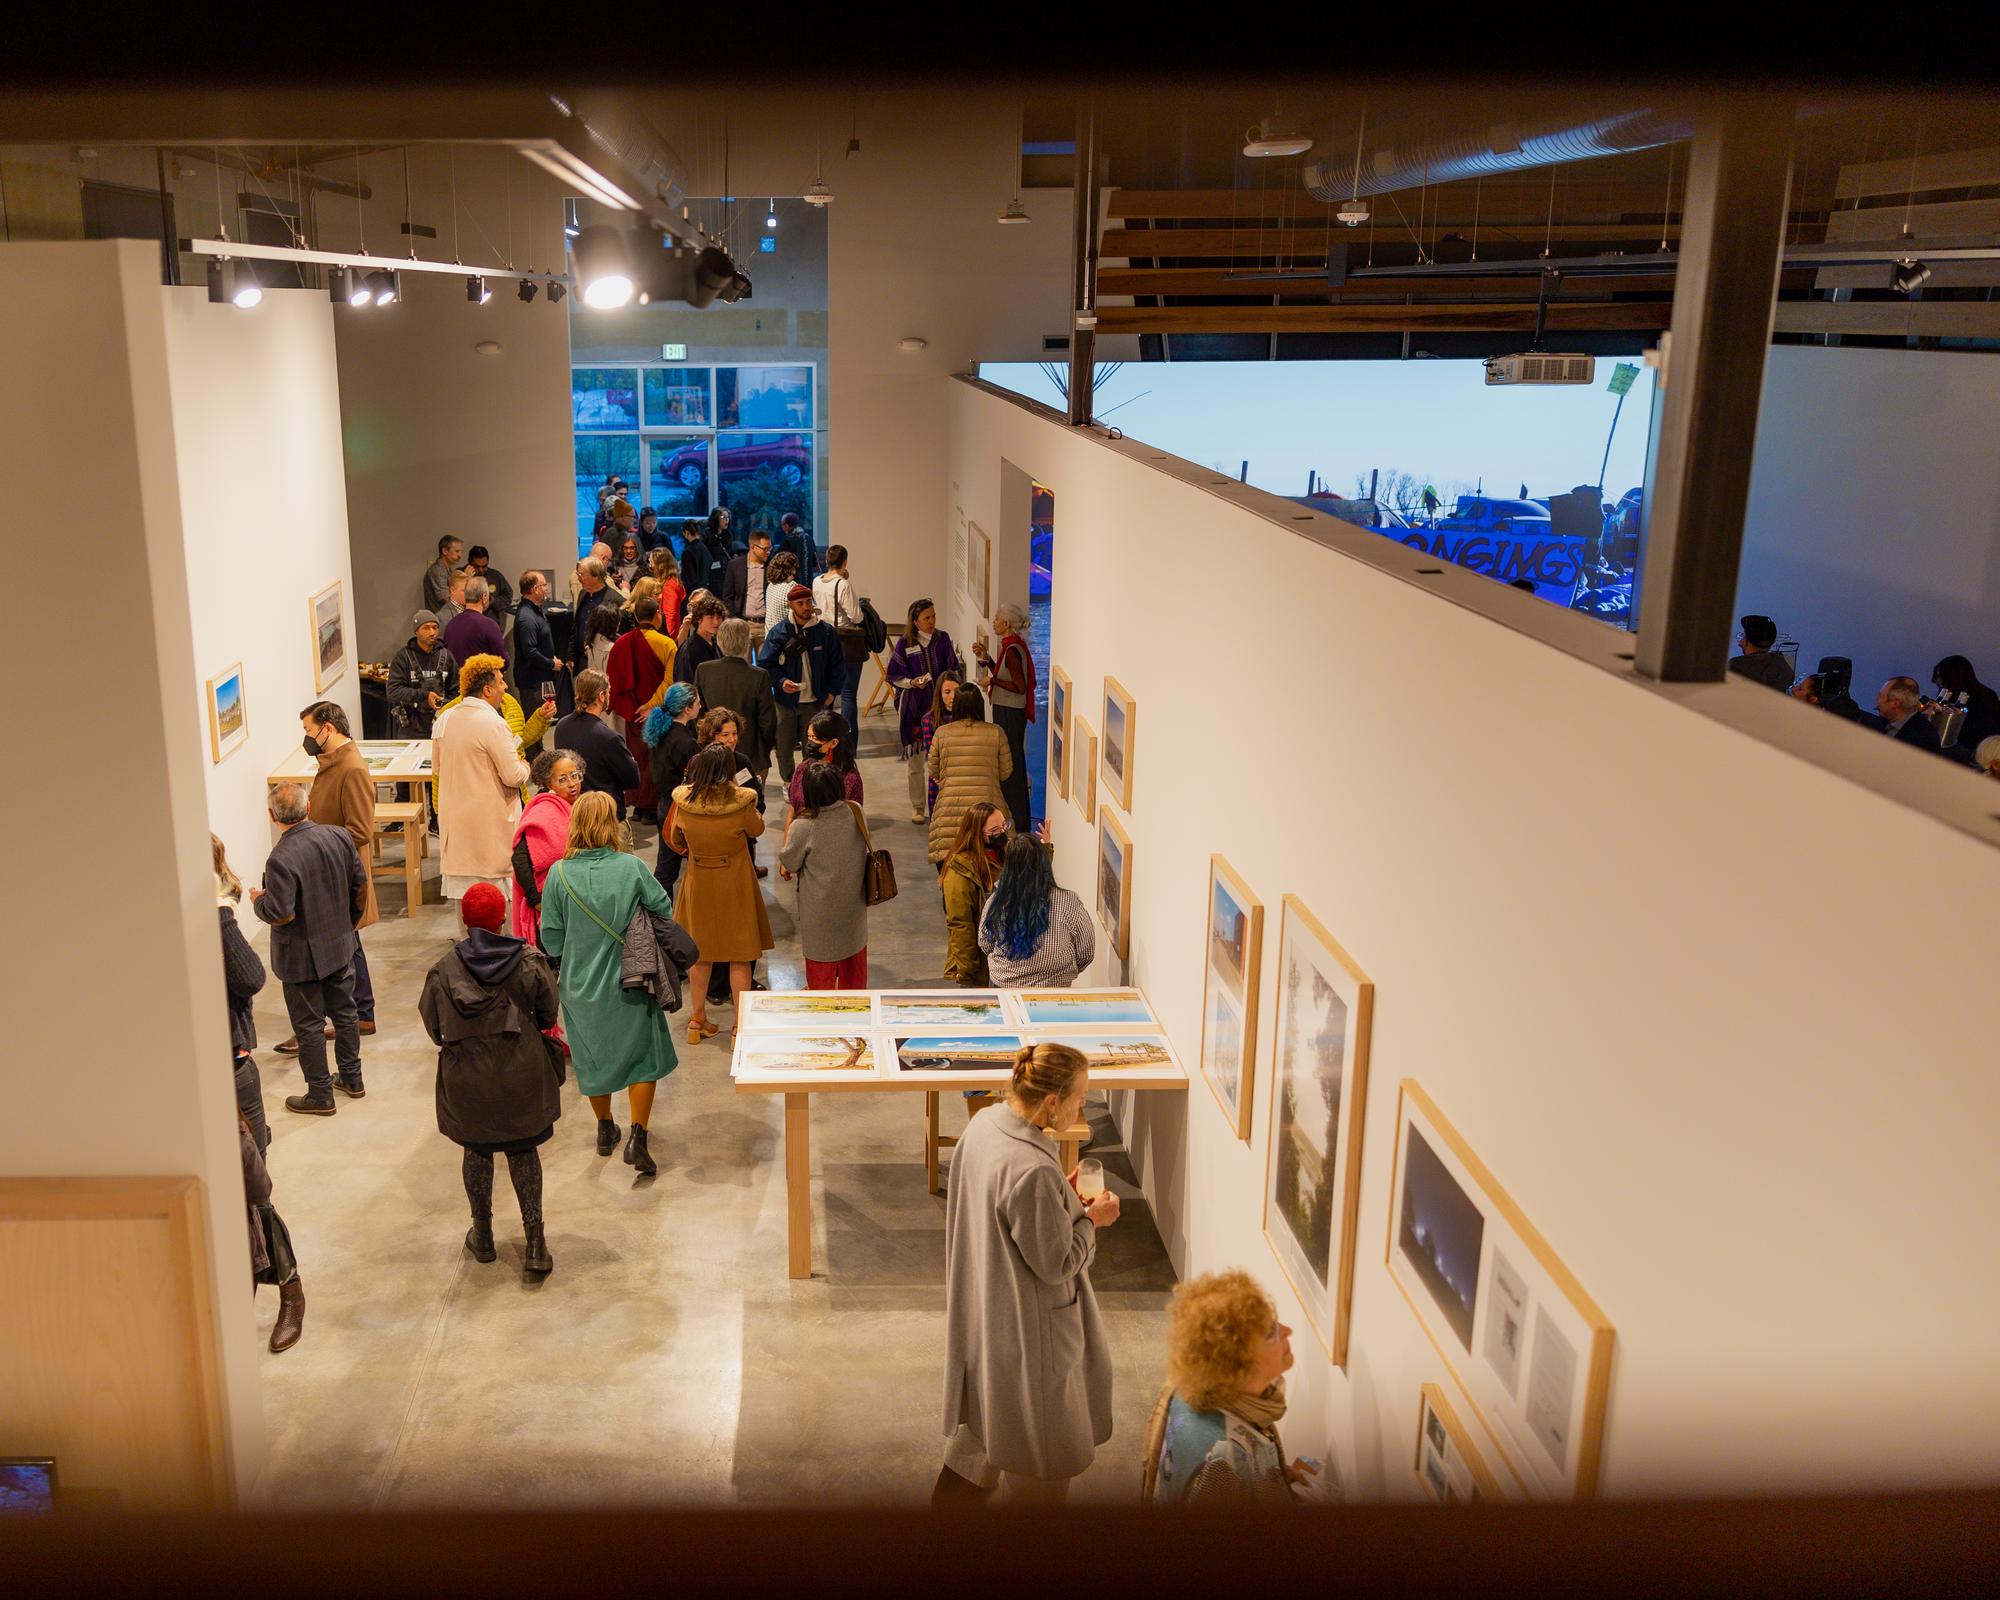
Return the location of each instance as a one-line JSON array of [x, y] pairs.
[[1579, 1042]]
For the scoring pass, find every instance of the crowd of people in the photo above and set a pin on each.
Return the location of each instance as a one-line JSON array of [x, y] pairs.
[[1959, 720], [573, 952]]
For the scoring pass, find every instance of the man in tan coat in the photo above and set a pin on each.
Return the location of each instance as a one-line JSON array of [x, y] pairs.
[[343, 796], [480, 771]]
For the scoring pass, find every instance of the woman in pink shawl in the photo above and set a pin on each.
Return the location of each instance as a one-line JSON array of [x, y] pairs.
[[543, 835]]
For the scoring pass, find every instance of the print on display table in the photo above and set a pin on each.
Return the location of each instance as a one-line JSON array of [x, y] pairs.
[[992, 1052], [1230, 983], [329, 632], [1121, 716], [1084, 789], [1528, 1346], [1116, 1052], [1319, 1077], [806, 1008], [1114, 882], [789, 1055], [945, 1008], [1082, 1008], [228, 716]]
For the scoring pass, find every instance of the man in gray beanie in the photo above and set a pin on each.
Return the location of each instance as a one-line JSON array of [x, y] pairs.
[[421, 678]]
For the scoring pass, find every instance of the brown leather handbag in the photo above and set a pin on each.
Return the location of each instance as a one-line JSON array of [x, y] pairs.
[[878, 877]]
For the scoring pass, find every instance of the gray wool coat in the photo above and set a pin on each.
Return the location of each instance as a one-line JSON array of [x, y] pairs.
[[828, 857], [1027, 1363]]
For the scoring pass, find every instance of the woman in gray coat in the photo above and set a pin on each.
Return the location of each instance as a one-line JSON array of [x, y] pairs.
[[827, 852], [1027, 1383]]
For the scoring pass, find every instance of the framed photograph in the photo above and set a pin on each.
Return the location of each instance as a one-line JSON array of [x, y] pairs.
[[1528, 1346], [329, 632], [979, 568], [1121, 714], [228, 715], [1114, 881], [1083, 790], [1319, 1082], [27, 1486], [1234, 964], [1448, 1464], [1059, 698]]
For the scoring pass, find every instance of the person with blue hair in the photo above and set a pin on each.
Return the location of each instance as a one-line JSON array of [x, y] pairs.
[[1036, 934], [670, 746]]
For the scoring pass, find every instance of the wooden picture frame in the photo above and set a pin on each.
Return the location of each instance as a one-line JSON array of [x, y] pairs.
[[228, 713], [979, 568], [1114, 881], [1121, 720], [1084, 763], [1312, 1189], [326, 617], [1232, 966], [1530, 1350], [1448, 1463], [1060, 697]]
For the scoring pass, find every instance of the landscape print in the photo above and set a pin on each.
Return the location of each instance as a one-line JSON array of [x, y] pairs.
[[1117, 1052], [228, 717], [1229, 1004], [1440, 1235], [1072, 1008], [957, 1053], [329, 637], [775, 1010], [789, 1053], [944, 1008], [1222, 1049], [1116, 739]]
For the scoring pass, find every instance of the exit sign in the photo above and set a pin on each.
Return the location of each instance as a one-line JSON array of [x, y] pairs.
[[673, 352]]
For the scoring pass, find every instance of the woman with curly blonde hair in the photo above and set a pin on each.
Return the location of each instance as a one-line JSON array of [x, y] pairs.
[[1213, 1436]]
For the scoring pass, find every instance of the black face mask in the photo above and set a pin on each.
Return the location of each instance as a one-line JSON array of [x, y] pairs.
[[311, 744], [996, 848]]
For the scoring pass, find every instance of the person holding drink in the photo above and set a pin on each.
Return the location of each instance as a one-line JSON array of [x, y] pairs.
[[921, 656], [1027, 1391]]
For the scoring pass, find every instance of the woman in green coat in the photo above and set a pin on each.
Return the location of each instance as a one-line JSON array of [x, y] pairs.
[[617, 1037]]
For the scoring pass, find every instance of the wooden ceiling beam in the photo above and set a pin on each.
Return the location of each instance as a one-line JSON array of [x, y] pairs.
[[1219, 283], [1619, 315], [1493, 198], [1310, 243], [1933, 319], [1949, 169], [1948, 219]]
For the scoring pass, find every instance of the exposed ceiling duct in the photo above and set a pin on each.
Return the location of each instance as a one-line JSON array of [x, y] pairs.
[[641, 151], [1498, 148]]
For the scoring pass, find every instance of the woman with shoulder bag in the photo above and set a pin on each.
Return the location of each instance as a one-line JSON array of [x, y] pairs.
[[617, 1036], [826, 850], [918, 659], [833, 593], [719, 905], [488, 1004]]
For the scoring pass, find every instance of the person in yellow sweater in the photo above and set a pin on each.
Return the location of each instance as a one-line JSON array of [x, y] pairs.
[[527, 731]]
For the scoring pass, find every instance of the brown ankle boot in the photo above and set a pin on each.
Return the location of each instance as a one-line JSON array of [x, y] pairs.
[[291, 1315]]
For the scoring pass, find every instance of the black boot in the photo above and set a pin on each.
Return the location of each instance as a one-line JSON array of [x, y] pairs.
[[607, 1136], [291, 1314], [310, 1104], [479, 1239], [535, 1257], [636, 1153]]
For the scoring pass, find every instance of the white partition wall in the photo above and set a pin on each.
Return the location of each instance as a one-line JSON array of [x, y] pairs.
[[117, 1040], [1709, 1013], [256, 428]]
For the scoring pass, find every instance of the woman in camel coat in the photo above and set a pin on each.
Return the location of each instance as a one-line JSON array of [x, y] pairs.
[[718, 903], [969, 761]]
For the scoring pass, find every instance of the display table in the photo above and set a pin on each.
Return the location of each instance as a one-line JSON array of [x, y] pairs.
[[919, 1041], [388, 761]]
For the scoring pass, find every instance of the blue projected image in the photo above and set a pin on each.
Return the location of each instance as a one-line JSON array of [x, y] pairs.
[[1440, 1235]]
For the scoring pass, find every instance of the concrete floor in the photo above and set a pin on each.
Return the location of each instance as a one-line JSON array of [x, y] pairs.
[[667, 1358]]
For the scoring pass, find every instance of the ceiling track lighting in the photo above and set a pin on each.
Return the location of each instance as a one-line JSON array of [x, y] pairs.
[[1909, 277], [526, 290], [386, 286], [232, 282], [556, 292], [604, 267], [340, 286], [476, 290], [1014, 213]]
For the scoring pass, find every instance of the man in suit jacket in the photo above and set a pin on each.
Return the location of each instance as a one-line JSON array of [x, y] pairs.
[[807, 668], [732, 681], [608, 767], [743, 587], [1901, 703], [315, 890]]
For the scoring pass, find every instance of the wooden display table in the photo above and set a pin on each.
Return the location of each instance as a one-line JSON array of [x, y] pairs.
[[921, 1041], [396, 761]]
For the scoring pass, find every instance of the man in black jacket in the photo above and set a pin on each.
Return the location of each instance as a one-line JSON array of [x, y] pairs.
[[743, 588], [1760, 662], [535, 660], [807, 668], [1901, 703], [422, 677], [733, 682], [608, 766], [315, 890], [695, 560]]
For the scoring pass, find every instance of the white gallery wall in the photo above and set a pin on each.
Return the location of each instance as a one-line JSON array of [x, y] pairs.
[[1873, 528], [1663, 978], [256, 415], [117, 1035]]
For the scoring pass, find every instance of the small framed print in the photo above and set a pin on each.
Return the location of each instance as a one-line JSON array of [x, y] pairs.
[[1448, 1463], [1234, 956], [228, 715], [1059, 732], [1114, 882], [329, 625], [1121, 717], [1083, 790]]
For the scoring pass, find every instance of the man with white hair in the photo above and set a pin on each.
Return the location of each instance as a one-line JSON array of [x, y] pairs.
[[1009, 682], [472, 632], [590, 588], [1901, 704], [314, 894]]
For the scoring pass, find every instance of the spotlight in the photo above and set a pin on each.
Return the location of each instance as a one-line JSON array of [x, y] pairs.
[[771, 215], [714, 274], [387, 287], [1909, 277], [340, 287], [556, 292], [232, 282], [526, 290], [1014, 215], [604, 267], [818, 194], [476, 290]]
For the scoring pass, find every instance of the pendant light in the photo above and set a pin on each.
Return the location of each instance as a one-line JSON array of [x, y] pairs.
[[1015, 214]]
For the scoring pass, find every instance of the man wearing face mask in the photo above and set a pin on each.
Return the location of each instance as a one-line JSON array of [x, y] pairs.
[[342, 796]]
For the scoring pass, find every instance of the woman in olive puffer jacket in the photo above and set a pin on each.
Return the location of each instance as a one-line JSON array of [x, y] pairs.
[[969, 761]]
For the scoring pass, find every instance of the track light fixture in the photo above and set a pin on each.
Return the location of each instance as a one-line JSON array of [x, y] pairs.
[[340, 286], [386, 287], [526, 290], [476, 290], [603, 267], [1909, 277], [556, 292], [232, 282]]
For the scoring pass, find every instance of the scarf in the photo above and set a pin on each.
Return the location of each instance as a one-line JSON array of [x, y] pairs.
[[545, 827], [1263, 1411], [1027, 668]]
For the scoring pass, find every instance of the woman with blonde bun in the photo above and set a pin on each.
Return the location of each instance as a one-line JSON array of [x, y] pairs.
[[1027, 1392]]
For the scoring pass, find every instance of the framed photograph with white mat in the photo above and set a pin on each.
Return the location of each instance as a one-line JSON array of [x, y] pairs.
[[1529, 1347], [1231, 968], [1083, 790], [228, 714], [329, 633]]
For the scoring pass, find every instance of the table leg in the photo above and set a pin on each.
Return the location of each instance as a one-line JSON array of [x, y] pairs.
[[798, 1186], [413, 866], [931, 1139]]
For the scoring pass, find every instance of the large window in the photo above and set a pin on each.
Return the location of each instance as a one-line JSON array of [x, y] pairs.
[[686, 439]]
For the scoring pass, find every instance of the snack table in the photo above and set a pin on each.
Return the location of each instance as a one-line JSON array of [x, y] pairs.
[[915, 1041]]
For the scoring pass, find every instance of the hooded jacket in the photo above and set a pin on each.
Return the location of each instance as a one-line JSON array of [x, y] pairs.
[[413, 677], [486, 1004]]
